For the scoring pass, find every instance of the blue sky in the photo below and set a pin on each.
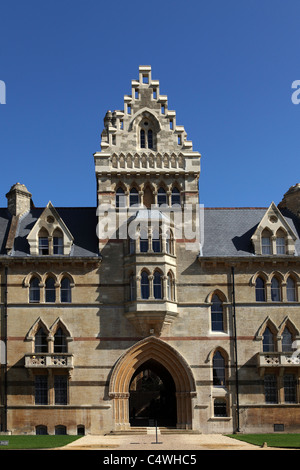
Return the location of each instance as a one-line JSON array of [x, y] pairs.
[[226, 66]]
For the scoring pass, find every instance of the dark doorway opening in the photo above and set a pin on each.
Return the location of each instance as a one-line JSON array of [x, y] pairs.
[[152, 396]]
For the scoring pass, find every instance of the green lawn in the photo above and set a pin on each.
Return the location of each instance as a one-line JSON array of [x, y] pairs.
[[36, 442], [272, 440]]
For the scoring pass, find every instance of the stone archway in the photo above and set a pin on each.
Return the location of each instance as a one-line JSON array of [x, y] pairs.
[[159, 352]]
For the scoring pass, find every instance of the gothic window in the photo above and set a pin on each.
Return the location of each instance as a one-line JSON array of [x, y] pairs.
[[43, 242], [65, 290], [133, 197], [40, 341], [170, 286], [120, 198], [34, 290], [218, 369], [280, 242], [270, 385], [175, 198], [291, 290], [157, 285], [268, 341], [170, 243], [287, 340], [144, 242], [145, 291], [60, 342], [275, 290], [217, 320], [260, 291], [161, 197], [143, 139], [266, 247], [147, 134], [156, 241], [150, 139], [58, 244], [50, 290]]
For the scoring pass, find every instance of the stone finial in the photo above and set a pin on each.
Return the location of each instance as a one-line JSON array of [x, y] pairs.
[[18, 199]]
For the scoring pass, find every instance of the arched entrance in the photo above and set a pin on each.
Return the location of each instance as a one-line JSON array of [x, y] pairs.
[[171, 378], [152, 396]]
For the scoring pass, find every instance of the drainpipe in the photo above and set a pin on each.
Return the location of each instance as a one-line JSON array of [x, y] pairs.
[[235, 353], [4, 425]]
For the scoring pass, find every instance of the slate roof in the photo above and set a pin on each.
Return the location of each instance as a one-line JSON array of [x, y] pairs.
[[81, 221], [228, 231]]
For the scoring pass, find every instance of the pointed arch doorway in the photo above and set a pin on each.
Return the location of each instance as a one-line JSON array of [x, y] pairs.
[[161, 374]]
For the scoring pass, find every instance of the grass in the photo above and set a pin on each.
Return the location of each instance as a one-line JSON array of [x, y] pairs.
[[36, 442], [272, 440]]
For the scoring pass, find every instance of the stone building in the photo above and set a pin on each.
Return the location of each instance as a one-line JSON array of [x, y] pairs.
[[149, 308]]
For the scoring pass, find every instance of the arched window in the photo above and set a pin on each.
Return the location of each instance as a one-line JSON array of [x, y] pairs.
[[142, 139], [217, 323], [175, 198], [41, 430], [291, 290], [34, 290], [260, 291], [266, 247], [161, 197], [120, 198], [60, 430], [218, 369], [40, 341], [275, 290], [287, 340], [60, 342], [170, 287], [268, 341], [43, 242], [170, 242], [50, 290], [65, 290], [58, 243], [280, 242], [134, 197], [145, 292], [150, 139], [157, 285]]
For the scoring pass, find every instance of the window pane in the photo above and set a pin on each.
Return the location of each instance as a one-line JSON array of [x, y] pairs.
[[43, 246], [34, 290], [287, 340], [61, 389], [260, 290], [144, 286], [150, 139], [161, 197], [50, 290], [41, 389], [217, 314], [134, 197], [291, 290], [275, 290], [266, 245], [60, 342], [58, 248], [65, 290], [268, 341], [157, 287], [143, 141], [220, 408], [120, 198], [218, 369], [175, 197], [270, 383], [280, 245], [289, 383], [40, 342]]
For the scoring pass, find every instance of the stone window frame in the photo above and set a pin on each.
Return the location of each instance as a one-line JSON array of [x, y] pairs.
[[42, 286]]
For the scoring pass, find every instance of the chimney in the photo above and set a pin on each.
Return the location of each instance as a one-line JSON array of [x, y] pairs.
[[18, 199], [291, 200]]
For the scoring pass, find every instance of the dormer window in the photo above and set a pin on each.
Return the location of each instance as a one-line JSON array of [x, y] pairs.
[[43, 242], [266, 247]]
